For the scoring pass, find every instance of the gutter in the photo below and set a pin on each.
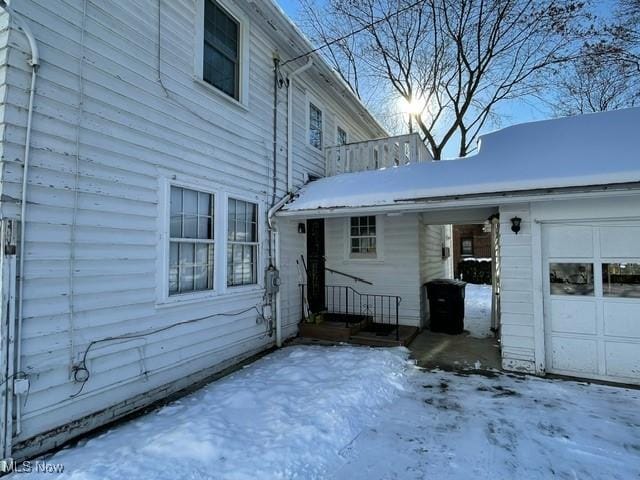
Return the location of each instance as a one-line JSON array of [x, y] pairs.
[[471, 200], [290, 80], [34, 61]]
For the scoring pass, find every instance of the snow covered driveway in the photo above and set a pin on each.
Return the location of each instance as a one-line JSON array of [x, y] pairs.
[[348, 412]]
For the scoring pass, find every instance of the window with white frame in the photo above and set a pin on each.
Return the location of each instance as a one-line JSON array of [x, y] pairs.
[[191, 242], [221, 49], [363, 236], [315, 126], [341, 137], [242, 243]]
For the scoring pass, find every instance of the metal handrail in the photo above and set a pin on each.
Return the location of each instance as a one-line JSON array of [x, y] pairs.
[[345, 300], [357, 279]]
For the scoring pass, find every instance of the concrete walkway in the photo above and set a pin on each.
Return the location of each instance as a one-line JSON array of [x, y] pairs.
[[454, 352]]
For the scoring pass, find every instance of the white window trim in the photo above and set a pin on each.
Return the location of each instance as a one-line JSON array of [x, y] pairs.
[[379, 256], [221, 198], [261, 234], [309, 100], [244, 34]]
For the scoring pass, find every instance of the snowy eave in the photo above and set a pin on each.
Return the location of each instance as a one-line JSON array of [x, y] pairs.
[[588, 150]]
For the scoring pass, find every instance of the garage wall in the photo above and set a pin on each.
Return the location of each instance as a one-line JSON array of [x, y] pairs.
[[522, 323], [516, 297]]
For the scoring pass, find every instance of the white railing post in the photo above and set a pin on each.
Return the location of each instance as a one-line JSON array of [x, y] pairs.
[[374, 154]]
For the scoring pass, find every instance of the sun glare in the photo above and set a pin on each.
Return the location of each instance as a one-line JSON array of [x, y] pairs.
[[414, 107]]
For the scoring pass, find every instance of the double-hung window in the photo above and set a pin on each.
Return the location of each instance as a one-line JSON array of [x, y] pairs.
[[466, 246], [221, 49], [341, 137], [242, 243], [315, 126], [363, 236], [191, 243]]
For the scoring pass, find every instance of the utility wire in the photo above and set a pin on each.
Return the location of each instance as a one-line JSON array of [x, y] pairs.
[[354, 32], [81, 372]]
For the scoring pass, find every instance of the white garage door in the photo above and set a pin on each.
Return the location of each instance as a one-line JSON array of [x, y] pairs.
[[591, 287]]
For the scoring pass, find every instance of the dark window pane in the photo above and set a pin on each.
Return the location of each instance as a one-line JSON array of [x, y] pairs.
[[571, 278], [621, 280], [342, 137], [221, 47], [315, 126]]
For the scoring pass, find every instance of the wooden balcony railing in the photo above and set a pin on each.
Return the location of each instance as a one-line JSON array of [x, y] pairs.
[[375, 154]]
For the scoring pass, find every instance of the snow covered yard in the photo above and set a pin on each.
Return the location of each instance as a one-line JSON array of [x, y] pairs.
[[348, 412], [477, 310]]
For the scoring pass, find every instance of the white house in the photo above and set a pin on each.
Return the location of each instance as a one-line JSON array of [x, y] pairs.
[[567, 275], [157, 138], [155, 182]]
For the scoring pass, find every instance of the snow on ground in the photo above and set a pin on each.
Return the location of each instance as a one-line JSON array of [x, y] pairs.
[[362, 413], [477, 310], [459, 426], [285, 416]]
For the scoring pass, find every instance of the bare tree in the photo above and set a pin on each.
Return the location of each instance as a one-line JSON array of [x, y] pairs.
[[596, 82], [606, 75], [456, 59]]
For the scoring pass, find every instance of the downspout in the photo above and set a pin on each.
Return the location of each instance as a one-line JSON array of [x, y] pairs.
[[290, 79], [35, 63], [276, 241]]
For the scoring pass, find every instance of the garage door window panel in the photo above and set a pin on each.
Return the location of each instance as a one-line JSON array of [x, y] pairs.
[[621, 280], [572, 279]]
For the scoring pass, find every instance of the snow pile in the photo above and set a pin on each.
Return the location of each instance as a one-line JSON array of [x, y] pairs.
[[477, 310], [594, 149], [285, 416]]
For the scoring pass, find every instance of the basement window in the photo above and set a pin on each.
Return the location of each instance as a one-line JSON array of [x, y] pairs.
[[191, 243]]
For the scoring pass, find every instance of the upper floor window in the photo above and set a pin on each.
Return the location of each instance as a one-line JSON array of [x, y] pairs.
[[191, 243], [242, 246], [315, 126], [341, 137], [363, 236], [221, 49]]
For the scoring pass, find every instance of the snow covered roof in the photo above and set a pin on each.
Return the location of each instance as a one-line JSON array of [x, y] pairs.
[[586, 150]]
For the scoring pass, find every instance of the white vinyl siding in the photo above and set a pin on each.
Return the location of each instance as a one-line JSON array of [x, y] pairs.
[[133, 140]]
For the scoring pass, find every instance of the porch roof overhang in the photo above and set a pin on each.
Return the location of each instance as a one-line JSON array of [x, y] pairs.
[[572, 157], [477, 202]]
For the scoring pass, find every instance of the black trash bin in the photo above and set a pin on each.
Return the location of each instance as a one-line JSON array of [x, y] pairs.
[[446, 305]]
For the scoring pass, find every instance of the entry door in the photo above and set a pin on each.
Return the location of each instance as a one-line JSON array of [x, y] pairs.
[[315, 265], [591, 284]]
